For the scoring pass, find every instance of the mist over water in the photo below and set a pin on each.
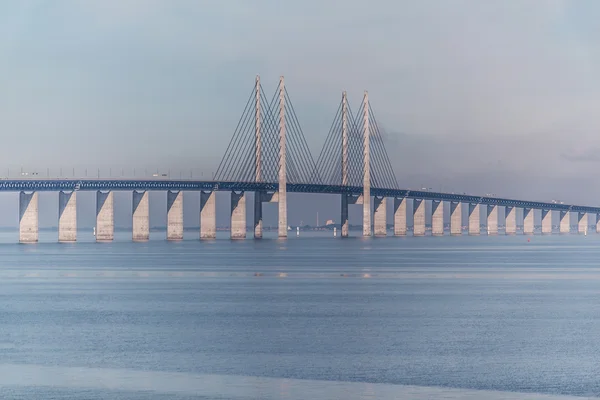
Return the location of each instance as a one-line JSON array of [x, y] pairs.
[[309, 317]]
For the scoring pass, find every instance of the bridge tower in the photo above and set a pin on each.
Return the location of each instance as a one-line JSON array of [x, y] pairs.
[[366, 168], [283, 225], [354, 157], [267, 150]]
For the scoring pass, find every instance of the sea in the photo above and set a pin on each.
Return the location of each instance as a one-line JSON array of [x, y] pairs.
[[310, 317]]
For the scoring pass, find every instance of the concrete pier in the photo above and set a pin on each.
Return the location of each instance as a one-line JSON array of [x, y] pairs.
[[582, 222], [208, 214], [565, 222], [344, 217], [238, 215], [418, 217], [437, 218], [67, 217], [597, 223], [380, 216], [455, 218], [258, 219], [474, 219], [105, 216], [259, 199], [400, 216], [174, 215], [28, 217], [546, 222], [528, 225], [510, 220], [492, 220], [141, 217]]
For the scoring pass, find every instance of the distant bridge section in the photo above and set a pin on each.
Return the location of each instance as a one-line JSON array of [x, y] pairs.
[[268, 155]]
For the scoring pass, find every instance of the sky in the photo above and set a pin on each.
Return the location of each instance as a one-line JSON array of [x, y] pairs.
[[495, 96]]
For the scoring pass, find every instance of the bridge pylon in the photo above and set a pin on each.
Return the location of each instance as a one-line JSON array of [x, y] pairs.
[[354, 155], [268, 146]]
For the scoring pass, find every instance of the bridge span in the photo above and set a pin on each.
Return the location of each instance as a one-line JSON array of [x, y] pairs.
[[268, 155], [476, 206]]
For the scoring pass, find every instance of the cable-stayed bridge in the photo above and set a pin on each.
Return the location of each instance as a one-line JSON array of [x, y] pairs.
[[268, 155]]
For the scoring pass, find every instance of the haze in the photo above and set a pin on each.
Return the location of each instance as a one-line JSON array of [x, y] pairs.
[[477, 97]]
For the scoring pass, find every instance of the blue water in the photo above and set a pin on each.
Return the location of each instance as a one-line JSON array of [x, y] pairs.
[[357, 318]]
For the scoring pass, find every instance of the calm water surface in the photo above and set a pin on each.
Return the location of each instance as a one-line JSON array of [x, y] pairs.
[[310, 317]]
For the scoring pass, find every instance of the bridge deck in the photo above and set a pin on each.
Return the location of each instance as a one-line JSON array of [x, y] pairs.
[[17, 185]]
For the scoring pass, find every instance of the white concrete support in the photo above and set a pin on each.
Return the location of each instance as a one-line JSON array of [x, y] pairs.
[[455, 218], [283, 225], [546, 222], [174, 215], [437, 218], [259, 199], [510, 220], [380, 216], [258, 219], [208, 215], [400, 216], [597, 223], [582, 222], [238, 215], [565, 222], [141, 217], [105, 217], [492, 220], [344, 217], [366, 169], [28, 217], [474, 219], [67, 217], [528, 225], [419, 217]]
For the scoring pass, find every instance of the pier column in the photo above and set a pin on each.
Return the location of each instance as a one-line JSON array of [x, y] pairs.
[[238, 215], [474, 219], [259, 199], [455, 218], [258, 219], [105, 217], [28, 217], [565, 221], [418, 217], [437, 218], [528, 221], [510, 220], [141, 217], [344, 221], [546, 222], [399, 216], [208, 214], [597, 223], [380, 216], [174, 215], [492, 220], [67, 216], [582, 222]]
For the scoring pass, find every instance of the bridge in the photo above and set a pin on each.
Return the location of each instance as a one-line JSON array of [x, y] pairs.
[[268, 155]]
